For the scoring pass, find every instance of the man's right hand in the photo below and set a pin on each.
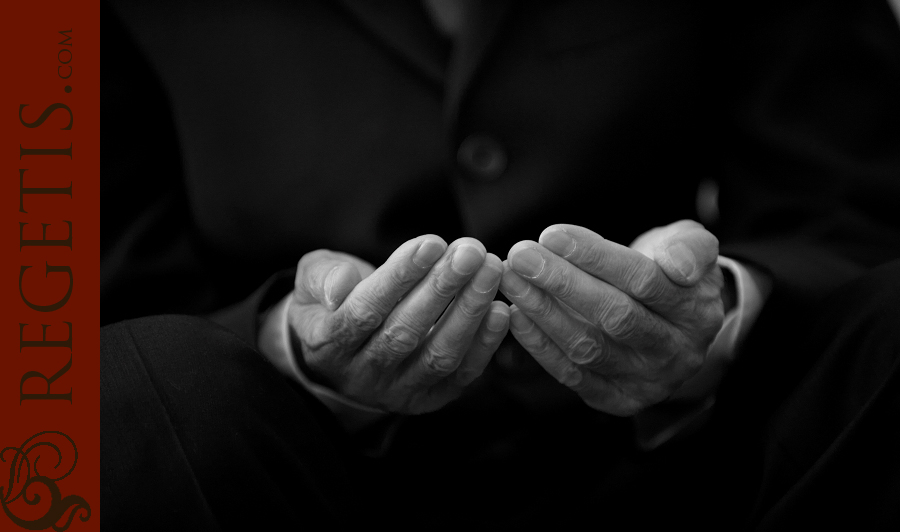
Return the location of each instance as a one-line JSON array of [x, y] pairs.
[[407, 337]]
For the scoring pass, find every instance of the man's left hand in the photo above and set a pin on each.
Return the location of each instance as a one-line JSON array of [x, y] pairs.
[[622, 327]]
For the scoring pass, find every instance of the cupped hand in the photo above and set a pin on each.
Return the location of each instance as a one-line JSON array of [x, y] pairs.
[[622, 327], [406, 337]]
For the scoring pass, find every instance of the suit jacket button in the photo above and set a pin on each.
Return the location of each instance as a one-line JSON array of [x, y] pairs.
[[482, 157]]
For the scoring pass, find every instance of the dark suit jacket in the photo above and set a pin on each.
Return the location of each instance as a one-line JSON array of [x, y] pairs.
[[258, 131], [238, 136]]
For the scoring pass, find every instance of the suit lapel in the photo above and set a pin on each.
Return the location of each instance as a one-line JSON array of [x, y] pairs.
[[484, 20], [404, 27]]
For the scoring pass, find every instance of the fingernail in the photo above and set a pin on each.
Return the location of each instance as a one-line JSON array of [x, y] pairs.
[[496, 321], [486, 280], [527, 262], [428, 253], [558, 242], [466, 259], [329, 285], [571, 377], [520, 322], [682, 258], [513, 285]]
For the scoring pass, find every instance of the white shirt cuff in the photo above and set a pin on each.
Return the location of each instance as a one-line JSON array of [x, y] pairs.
[[751, 293], [275, 343], [736, 324]]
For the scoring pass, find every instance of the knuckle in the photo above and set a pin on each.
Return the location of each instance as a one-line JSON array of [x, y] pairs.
[[361, 316], [443, 286], [399, 339], [594, 258], [470, 309], [541, 344], [440, 361], [378, 297], [384, 360], [541, 307], [562, 285], [645, 283], [401, 277], [582, 349], [621, 319]]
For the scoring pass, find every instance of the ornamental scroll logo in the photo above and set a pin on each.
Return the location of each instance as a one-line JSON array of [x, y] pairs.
[[34, 469]]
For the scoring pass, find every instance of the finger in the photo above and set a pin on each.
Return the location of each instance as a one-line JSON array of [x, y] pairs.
[[626, 269], [688, 256], [621, 317], [324, 277], [647, 241], [450, 338], [575, 336], [487, 339], [309, 337], [685, 250], [597, 392], [407, 324], [373, 298]]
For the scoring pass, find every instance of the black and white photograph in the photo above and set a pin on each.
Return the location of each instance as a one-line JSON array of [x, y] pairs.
[[500, 265]]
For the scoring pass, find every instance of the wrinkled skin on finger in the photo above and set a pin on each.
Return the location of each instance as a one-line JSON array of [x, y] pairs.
[[406, 337], [622, 327]]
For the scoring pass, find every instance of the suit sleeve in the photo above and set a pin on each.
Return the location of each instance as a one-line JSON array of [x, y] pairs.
[[811, 177], [153, 260]]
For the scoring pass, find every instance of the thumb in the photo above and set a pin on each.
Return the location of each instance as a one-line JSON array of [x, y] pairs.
[[325, 278], [687, 255]]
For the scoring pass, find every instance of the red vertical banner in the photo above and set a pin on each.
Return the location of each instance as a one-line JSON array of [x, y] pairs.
[[50, 266]]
